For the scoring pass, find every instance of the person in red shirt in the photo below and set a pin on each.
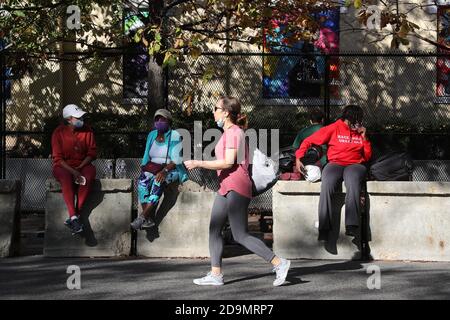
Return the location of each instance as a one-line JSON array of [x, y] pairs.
[[348, 150], [73, 150]]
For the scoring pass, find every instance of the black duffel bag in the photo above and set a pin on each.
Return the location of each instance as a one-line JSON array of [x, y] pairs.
[[393, 166]]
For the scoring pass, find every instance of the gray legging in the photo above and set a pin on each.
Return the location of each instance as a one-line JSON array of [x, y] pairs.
[[234, 206], [332, 176]]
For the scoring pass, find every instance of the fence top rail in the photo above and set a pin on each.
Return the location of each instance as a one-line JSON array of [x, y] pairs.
[[338, 54], [268, 54]]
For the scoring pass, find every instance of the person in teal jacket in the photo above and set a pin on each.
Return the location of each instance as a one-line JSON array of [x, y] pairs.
[[161, 165]]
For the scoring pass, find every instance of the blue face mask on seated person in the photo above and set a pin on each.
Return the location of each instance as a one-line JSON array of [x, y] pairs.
[[78, 123]]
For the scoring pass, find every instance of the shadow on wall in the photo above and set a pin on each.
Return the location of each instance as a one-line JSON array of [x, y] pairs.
[[93, 202], [158, 214], [333, 236]]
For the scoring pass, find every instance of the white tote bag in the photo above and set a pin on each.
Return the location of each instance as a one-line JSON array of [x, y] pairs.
[[263, 172]]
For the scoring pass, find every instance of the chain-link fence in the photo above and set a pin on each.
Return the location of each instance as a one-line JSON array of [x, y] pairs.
[[398, 92], [404, 107]]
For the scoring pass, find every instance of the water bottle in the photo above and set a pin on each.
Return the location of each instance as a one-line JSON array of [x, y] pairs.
[[109, 169], [122, 169]]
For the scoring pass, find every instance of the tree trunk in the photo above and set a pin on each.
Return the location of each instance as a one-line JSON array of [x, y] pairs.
[[156, 74], [156, 87]]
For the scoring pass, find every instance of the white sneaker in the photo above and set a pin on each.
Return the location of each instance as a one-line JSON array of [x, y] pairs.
[[282, 271], [210, 280]]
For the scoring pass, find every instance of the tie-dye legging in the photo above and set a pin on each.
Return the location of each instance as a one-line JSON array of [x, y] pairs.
[[150, 191]]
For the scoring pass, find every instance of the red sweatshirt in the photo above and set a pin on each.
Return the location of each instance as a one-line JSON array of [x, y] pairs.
[[73, 146], [345, 146]]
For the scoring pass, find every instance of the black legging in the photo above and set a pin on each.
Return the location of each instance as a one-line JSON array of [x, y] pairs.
[[234, 206]]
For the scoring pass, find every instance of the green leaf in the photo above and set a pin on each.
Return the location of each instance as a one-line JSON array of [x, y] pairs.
[[169, 60], [157, 37], [138, 35], [208, 74], [195, 53], [413, 25], [19, 13], [156, 47], [404, 41], [394, 43], [358, 4], [404, 30]]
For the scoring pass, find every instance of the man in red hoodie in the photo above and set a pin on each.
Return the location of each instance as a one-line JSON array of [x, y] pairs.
[[348, 150]]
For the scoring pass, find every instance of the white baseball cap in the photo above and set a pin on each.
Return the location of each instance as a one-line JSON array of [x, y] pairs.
[[72, 110], [313, 173]]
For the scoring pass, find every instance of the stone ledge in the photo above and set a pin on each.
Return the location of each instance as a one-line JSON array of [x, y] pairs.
[[373, 187], [192, 186], [409, 188], [105, 185], [9, 186]]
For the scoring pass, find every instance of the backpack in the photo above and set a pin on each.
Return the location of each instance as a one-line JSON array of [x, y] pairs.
[[286, 161], [312, 155], [393, 166]]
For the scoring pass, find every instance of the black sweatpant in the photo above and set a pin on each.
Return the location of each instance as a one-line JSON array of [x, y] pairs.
[[332, 176]]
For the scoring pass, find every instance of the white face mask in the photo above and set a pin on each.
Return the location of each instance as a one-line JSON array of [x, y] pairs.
[[220, 123]]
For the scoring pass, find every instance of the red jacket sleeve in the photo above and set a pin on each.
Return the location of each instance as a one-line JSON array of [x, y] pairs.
[[57, 152], [321, 136], [367, 150], [92, 146]]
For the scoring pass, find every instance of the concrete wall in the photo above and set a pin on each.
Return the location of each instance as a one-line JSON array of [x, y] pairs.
[[106, 217], [295, 223], [182, 224], [408, 221], [9, 217]]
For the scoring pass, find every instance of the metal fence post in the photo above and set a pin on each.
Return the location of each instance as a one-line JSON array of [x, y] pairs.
[[326, 94], [2, 116], [365, 227]]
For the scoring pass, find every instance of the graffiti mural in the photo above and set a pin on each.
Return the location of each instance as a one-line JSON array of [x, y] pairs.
[[443, 63], [301, 76]]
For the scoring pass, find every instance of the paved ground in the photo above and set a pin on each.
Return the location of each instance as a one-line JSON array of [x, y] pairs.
[[246, 277]]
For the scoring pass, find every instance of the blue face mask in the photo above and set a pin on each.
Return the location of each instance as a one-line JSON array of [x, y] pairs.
[[220, 123], [78, 123]]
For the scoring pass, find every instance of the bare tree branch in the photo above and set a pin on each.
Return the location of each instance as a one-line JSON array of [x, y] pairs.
[[435, 43]]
